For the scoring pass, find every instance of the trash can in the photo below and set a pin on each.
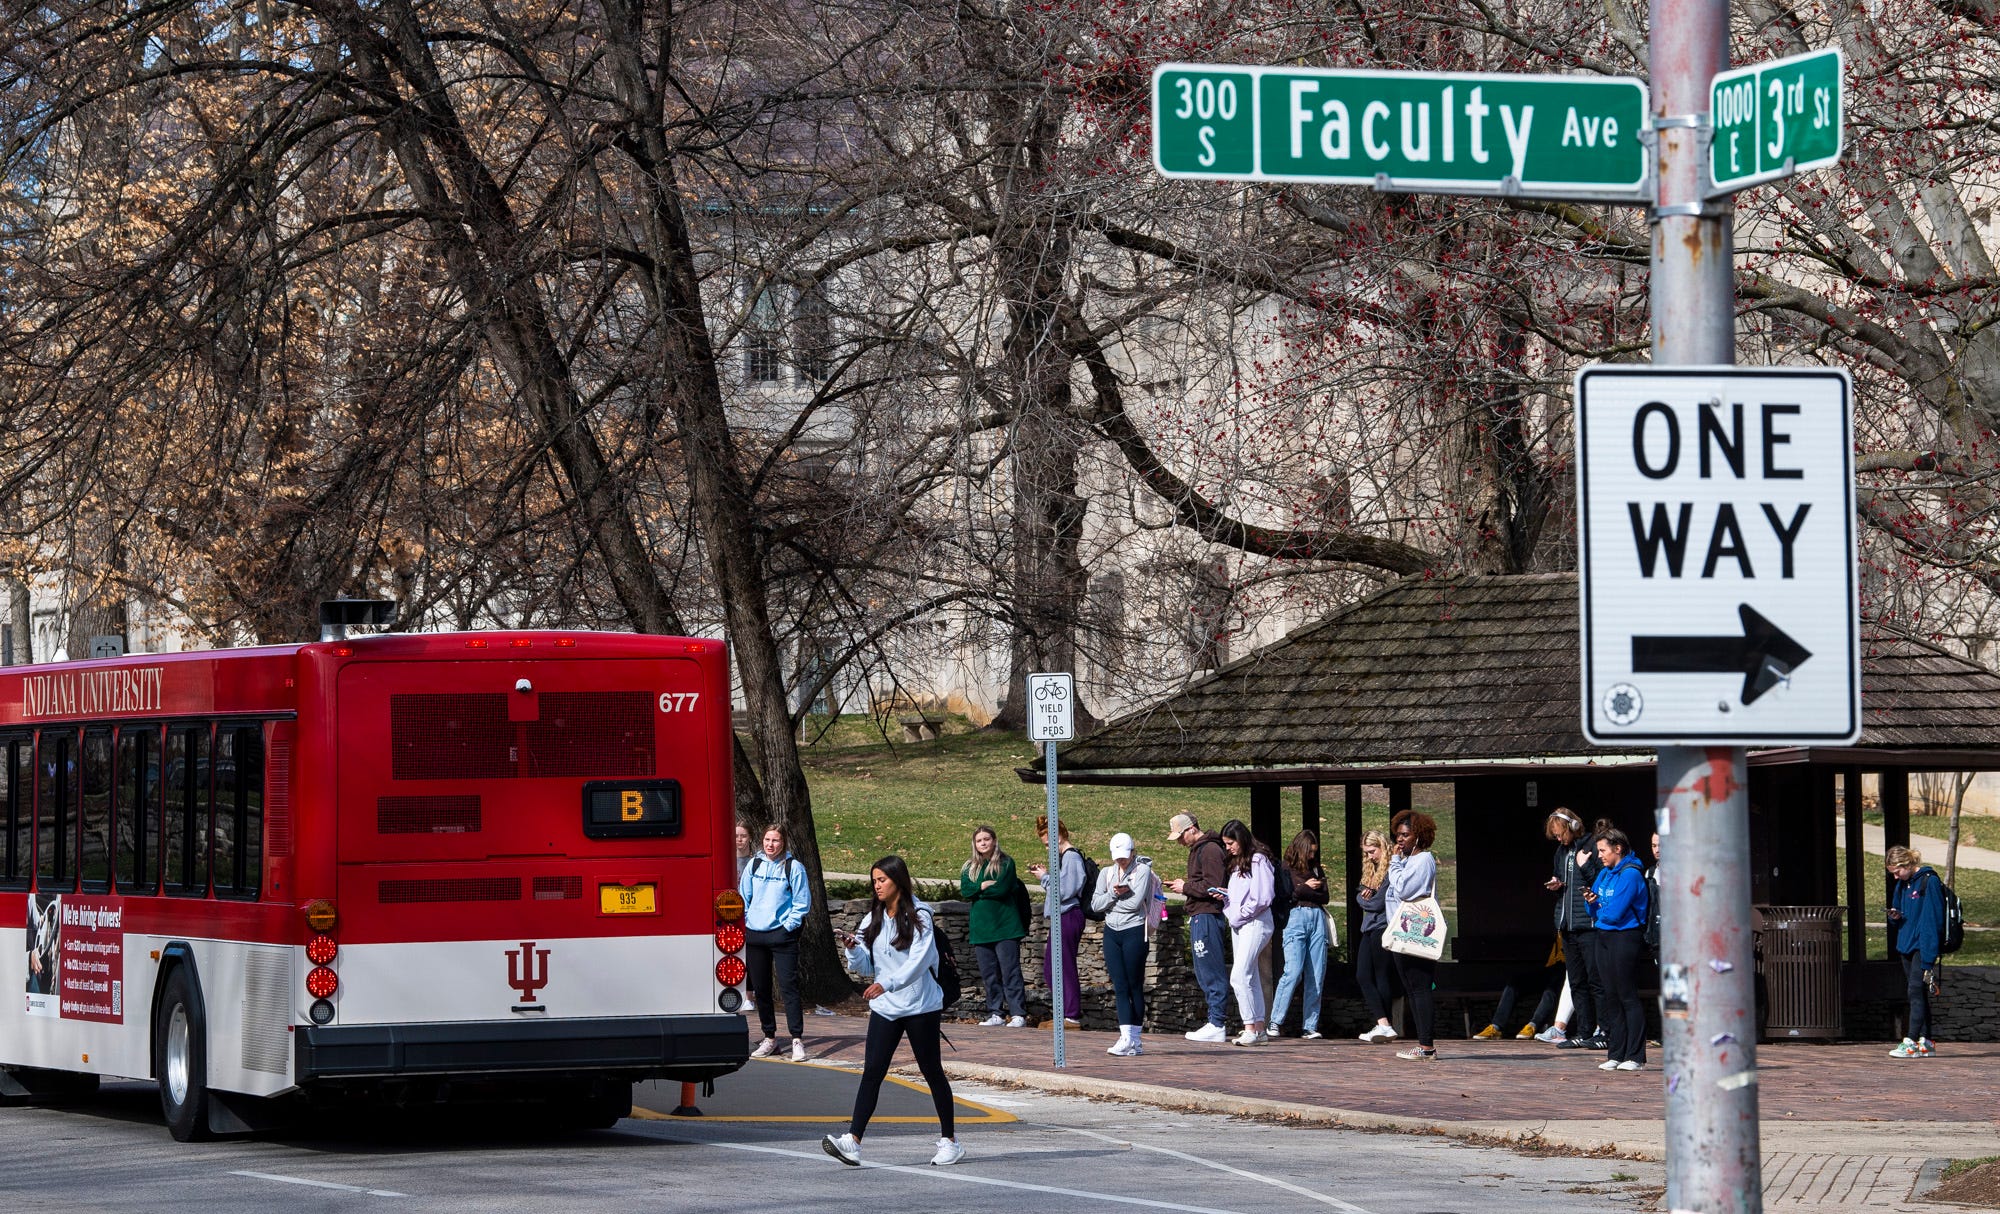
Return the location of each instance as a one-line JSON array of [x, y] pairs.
[[1798, 970]]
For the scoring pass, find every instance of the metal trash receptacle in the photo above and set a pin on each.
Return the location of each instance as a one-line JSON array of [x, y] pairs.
[[1798, 970]]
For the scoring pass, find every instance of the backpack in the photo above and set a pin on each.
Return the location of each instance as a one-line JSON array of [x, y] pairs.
[[1089, 885], [1954, 920], [1284, 892], [946, 969]]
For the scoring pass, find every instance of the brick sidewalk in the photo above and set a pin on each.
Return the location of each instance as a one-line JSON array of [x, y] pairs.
[[1489, 1081]]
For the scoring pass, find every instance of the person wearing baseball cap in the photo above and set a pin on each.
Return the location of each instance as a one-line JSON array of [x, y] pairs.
[[1125, 896], [1207, 878]]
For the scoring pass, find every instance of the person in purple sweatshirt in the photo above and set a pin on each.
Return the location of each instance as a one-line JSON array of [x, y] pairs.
[[1247, 906]]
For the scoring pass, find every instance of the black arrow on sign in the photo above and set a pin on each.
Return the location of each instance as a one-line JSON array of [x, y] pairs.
[[1763, 653]]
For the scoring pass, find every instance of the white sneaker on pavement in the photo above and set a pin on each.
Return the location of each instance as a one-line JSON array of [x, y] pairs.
[[1629, 1065], [765, 1048], [1552, 1034], [1213, 1033], [1309, 1035], [843, 1148], [992, 1022], [1380, 1032], [1607, 1065], [1017, 1022], [948, 1153], [798, 1050], [1246, 1037]]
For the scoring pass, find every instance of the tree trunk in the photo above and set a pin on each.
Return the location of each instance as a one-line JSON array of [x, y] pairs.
[[21, 617]]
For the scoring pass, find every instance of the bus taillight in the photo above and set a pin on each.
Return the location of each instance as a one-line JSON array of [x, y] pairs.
[[320, 916], [729, 937], [322, 982], [730, 971], [729, 906], [320, 950]]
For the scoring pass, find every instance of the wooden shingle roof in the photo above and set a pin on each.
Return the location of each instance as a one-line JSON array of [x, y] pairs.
[[1475, 669]]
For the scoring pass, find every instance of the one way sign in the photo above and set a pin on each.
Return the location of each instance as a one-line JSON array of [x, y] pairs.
[[1716, 539]]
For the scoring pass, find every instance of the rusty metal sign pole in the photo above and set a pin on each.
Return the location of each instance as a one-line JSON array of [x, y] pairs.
[[1707, 996]]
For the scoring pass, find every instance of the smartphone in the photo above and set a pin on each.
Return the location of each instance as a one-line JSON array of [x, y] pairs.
[[1217, 892]]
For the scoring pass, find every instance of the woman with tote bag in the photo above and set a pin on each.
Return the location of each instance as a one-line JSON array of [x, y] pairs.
[[1415, 931]]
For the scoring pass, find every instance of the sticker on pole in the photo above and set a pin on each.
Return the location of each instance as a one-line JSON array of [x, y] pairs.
[[1051, 708], [1715, 526]]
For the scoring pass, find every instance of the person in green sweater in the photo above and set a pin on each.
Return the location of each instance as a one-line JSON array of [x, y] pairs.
[[999, 922]]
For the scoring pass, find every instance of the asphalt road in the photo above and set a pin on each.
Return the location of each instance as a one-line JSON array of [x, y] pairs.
[[758, 1150]]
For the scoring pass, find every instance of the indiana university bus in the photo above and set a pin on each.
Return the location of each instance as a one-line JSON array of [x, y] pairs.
[[403, 866]]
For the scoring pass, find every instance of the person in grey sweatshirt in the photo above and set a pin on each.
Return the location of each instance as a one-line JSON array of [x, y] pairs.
[[1063, 905], [1126, 895]]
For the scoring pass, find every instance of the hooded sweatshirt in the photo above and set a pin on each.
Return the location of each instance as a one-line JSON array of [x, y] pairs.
[[908, 989], [1621, 896], [1410, 877], [1572, 909], [1921, 899], [775, 894], [1208, 867], [1250, 893], [1135, 909]]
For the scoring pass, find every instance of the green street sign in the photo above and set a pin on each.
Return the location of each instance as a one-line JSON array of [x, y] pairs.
[[1775, 119], [1432, 132]]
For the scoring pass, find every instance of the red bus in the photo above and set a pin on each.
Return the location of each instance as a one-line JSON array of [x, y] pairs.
[[400, 866]]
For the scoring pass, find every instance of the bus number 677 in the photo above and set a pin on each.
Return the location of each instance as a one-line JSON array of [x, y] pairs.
[[678, 701]]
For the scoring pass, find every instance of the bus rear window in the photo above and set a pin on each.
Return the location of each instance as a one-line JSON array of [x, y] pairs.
[[631, 809]]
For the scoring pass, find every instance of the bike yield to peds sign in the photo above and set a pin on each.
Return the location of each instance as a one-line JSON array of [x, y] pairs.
[[1715, 528], [1051, 708]]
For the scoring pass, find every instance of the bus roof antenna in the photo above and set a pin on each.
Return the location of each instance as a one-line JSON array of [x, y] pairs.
[[336, 616]]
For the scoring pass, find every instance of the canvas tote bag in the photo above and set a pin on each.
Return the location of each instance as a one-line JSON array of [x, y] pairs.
[[1417, 929]]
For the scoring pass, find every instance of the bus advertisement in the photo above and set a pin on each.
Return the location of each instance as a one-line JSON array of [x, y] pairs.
[[386, 867]]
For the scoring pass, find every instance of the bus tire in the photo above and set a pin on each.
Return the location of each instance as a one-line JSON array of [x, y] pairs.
[[180, 1059]]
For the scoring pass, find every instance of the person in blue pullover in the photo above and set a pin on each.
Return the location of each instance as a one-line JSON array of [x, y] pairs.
[[1619, 907], [775, 900], [1916, 937]]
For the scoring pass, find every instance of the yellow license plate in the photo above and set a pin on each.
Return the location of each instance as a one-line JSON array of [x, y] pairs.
[[625, 899]]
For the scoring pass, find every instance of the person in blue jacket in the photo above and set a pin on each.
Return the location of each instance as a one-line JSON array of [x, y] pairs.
[[775, 900], [1916, 936], [1619, 907]]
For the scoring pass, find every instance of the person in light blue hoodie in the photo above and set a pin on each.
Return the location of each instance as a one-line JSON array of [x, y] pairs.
[[896, 946], [1619, 905], [776, 898]]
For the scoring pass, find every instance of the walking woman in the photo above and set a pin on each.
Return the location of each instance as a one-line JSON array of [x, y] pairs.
[[1618, 902], [998, 922], [1252, 886], [1305, 936], [1124, 896], [1916, 937], [775, 900], [1413, 874], [1063, 905], [1371, 961], [1574, 867], [896, 947]]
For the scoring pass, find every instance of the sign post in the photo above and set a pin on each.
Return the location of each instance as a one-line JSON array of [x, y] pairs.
[[1577, 137], [1052, 719]]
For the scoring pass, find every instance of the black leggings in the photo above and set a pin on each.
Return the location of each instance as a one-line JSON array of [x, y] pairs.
[[883, 1034], [1418, 974], [1371, 968], [1620, 956]]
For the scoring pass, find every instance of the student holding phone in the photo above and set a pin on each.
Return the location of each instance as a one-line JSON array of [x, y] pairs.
[[1124, 896]]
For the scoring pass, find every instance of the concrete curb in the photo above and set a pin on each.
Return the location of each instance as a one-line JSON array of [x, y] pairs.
[[1309, 1114]]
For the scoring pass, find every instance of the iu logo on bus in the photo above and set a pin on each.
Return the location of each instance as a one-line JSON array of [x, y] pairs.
[[527, 969]]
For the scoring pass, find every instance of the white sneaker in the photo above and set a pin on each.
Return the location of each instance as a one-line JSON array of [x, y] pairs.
[[798, 1050], [992, 1022], [1273, 1032], [1017, 1022], [1552, 1035], [1213, 1033], [1629, 1065], [1134, 1049], [1309, 1035], [1380, 1032], [843, 1148], [1070, 1023], [1122, 1048], [1608, 1065], [948, 1153], [1246, 1037], [765, 1048]]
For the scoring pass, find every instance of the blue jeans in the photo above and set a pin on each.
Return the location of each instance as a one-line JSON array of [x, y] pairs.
[[1305, 959], [1125, 961], [1211, 965]]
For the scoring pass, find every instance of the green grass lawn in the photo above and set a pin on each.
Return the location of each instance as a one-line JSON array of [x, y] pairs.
[[923, 800], [1971, 830], [1978, 896]]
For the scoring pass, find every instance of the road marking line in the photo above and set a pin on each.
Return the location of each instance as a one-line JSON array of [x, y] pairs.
[[1301, 1190], [320, 1184], [965, 1177]]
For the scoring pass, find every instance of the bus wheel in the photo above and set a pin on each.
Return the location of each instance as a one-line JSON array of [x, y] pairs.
[[180, 1060]]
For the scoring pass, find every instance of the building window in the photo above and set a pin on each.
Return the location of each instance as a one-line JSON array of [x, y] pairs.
[[760, 341], [812, 334]]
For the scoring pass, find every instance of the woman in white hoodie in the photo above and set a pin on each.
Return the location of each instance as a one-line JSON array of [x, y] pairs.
[[1125, 897], [1252, 887], [896, 946]]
